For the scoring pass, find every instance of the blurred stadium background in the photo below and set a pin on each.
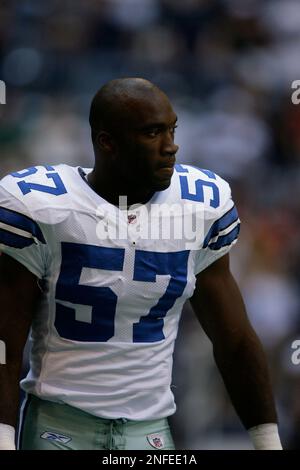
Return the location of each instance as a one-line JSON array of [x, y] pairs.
[[228, 66]]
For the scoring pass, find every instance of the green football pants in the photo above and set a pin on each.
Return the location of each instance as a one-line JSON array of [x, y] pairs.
[[51, 426]]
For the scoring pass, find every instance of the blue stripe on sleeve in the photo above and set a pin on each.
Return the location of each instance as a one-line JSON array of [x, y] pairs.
[[225, 221], [225, 239], [17, 220], [13, 240]]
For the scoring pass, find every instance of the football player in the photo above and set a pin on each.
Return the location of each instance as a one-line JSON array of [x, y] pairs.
[[91, 267]]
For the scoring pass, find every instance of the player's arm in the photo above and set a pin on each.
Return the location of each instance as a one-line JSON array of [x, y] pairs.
[[238, 352], [19, 293]]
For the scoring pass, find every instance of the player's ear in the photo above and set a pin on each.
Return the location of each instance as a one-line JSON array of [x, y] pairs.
[[104, 142]]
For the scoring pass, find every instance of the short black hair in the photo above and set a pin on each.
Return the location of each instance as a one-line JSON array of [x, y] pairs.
[[110, 100]]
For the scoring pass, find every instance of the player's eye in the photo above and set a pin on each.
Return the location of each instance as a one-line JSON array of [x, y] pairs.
[[153, 132]]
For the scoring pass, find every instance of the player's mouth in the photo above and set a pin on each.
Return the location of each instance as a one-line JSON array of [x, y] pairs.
[[166, 170]]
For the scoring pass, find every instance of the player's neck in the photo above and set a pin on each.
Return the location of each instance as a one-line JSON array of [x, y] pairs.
[[112, 190]]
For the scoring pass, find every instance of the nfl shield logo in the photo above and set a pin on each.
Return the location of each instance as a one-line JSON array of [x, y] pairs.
[[156, 441], [131, 219]]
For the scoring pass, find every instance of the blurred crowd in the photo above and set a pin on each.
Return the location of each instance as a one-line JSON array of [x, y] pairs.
[[228, 67]]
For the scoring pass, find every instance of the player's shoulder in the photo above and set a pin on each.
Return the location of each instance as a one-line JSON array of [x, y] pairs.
[[204, 186], [37, 189], [35, 175]]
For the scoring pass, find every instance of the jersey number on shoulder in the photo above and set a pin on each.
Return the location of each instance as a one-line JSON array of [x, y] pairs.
[[26, 187], [199, 187], [97, 322]]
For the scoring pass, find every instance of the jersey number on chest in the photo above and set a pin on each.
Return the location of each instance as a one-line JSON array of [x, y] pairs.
[[147, 265]]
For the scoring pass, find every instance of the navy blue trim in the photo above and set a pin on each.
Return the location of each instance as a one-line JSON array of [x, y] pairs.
[[21, 221], [225, 221], [13, 240], [225, 240], [82, 173], [180, 169]]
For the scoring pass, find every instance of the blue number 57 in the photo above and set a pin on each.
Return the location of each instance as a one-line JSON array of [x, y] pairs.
[[100, 324]]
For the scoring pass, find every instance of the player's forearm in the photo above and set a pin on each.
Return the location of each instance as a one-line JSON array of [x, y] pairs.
[[9, 393], [246, 377]]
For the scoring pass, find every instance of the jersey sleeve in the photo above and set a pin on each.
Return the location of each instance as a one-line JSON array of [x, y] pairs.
[[221, 229], [21, 237]]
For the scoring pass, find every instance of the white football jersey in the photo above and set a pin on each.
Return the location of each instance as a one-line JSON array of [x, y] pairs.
[[114, 282]]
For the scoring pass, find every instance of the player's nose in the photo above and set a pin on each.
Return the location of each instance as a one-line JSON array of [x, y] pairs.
[[169, 148]]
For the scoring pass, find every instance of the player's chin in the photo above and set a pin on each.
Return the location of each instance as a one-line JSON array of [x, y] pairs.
[[160, 184], [161, 179]]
